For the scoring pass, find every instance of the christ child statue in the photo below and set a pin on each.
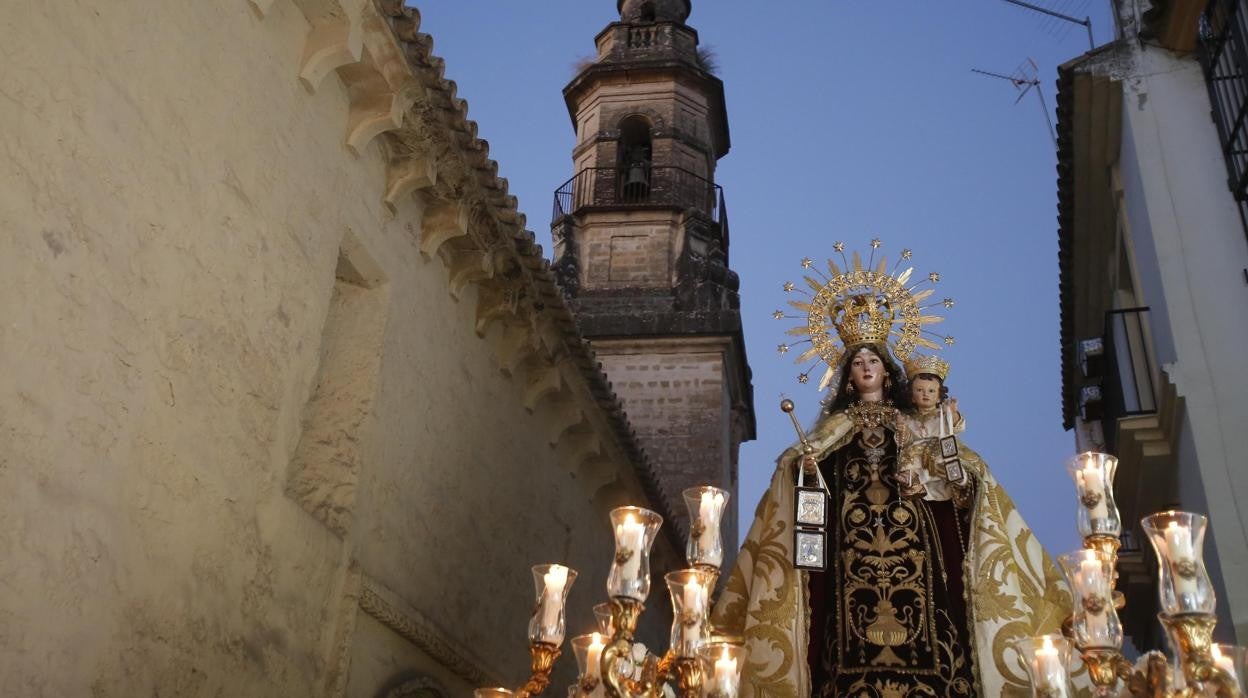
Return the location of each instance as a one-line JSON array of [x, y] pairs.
[[928, 465]]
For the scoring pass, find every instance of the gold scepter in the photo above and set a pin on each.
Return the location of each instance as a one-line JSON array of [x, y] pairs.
[[810, 505], [787, 406]]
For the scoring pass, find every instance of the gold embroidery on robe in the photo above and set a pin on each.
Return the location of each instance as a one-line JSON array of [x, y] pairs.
[[1013, 588]]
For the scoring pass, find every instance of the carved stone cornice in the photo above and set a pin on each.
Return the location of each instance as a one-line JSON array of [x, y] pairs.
[[389, 610], [400, 98]]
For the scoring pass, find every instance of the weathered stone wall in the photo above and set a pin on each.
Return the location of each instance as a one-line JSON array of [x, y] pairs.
[[270, 424], [629, 249], [677, 113], [675, 389]]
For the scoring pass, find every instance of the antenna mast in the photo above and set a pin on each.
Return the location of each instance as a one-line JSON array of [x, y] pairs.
[[1024, 78], [1086, 21]]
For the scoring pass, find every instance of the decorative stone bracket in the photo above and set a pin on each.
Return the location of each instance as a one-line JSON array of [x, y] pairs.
[[398, 97]]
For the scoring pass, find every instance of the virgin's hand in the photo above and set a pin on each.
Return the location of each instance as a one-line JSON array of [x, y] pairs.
[[810, 465]]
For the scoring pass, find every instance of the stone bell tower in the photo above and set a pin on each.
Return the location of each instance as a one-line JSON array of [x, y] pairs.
[[641, 246]]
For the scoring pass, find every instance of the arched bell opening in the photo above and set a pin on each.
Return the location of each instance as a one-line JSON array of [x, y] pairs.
[[635, 160]]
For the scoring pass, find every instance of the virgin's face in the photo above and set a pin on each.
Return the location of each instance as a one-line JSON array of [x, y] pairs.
[[867, 372], [925, 393]]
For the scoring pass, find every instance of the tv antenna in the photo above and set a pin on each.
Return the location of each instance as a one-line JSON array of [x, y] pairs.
[[1024, 78], [1086, 21]]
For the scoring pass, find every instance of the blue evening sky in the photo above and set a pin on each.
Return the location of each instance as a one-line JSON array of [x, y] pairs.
[[850, 119]]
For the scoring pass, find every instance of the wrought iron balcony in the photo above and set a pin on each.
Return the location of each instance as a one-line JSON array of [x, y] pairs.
[[1128, 389], [641, 186], [1222, 46]]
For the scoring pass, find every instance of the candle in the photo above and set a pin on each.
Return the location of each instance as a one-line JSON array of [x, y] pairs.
[[709, 512], [726, 674], [1179, 548], [631, 534], [1050, 672], [552, 603], [1092, 483], [594, 657], [693, 597], [1093, 584], [694, 607], [1178, 541]]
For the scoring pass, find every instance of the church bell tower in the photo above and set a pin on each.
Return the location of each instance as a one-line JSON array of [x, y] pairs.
[[641, 246]]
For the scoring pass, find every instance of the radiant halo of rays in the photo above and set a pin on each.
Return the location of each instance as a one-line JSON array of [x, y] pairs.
[[824, 292]]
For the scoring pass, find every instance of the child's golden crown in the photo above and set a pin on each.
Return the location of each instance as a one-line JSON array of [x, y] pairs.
[[926, 363]]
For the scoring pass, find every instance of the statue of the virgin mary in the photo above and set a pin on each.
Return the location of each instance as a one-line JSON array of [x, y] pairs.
[[920, 597]]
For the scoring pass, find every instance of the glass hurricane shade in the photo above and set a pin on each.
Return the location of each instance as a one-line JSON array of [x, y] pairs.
[[1096, 511], [635, 530], [1090, 574], [690, 591], [1178, 538], [706, 509], [722, 664], [1046, 659], [552, 582]]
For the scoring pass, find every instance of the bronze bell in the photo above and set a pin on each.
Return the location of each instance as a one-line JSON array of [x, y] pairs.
[[637, 181]]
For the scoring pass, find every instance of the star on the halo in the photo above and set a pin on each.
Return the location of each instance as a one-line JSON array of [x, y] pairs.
[[875, 243], [934, 276], [838, 246], [788, 286], [782, 348], [948, 302], [803, 378], [949, 341], [807, 262], [778, 314], [907, 253]]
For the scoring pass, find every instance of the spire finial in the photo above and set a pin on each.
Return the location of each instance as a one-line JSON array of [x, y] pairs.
[[653, 10]]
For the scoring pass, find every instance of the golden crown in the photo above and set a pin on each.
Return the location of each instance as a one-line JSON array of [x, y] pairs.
[[864, 304], [863, 319], [926, 363]]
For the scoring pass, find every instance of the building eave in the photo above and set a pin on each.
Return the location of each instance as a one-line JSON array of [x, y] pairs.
[[1174, 24], [1089, 103], [491, 247]]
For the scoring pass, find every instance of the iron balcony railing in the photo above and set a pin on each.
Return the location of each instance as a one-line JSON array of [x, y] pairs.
[[641, 185], [1222, 46], [1128, 388]]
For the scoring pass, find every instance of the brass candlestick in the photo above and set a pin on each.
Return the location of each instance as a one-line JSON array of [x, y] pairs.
[[1193, 633], [617, 657], [543, 662]]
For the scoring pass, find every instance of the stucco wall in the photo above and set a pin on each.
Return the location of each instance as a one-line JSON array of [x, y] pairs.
[[174, 206], [1184, 221]]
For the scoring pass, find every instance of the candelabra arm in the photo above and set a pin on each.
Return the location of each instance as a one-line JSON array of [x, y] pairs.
[[1105, 667], [1193, 633], [617, 664], [542, 663], [666, 667], [1223, 684], [1153, 682], [689, 677]]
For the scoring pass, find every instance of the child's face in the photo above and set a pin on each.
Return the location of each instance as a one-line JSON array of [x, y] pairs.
[[925, 392]]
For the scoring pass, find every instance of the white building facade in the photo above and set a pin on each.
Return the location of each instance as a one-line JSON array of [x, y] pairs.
[[1154, 280]]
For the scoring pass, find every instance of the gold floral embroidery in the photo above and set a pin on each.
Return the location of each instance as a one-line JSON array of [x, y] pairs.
[[1012, 588]]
